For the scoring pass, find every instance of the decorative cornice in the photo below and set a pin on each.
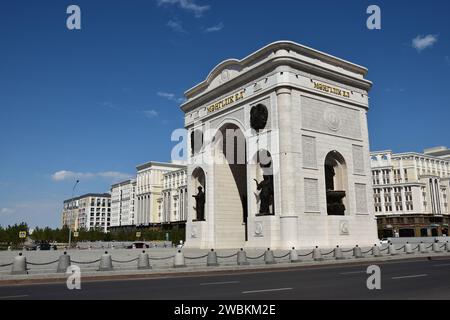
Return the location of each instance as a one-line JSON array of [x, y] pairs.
[[272, 56]]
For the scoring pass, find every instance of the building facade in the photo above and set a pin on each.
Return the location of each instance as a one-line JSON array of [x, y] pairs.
[[90, 211], [411, 192], [123, 197], [149, 185], [174, 197], [295, 120]]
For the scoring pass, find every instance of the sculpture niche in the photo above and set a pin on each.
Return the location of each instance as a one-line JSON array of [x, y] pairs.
[[200, 200], [266, 195], [335, 205]]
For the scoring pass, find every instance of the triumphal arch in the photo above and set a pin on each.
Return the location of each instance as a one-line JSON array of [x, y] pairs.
[[279, 152]]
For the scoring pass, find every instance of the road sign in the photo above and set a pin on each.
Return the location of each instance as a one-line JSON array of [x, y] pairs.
[[138, 234], [22, 234], [76, 234]]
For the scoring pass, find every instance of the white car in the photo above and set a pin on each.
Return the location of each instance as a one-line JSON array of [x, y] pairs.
[[384, 241]]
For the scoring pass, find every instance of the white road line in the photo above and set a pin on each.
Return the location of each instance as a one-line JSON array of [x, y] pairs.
[[352, 272], [442, 265], [412, 276], [218, 283], [266, 290], [12, 297]]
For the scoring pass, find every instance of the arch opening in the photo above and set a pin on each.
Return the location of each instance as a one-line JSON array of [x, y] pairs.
[[198, 181], [336, 183], [263, 177], [230, 169]]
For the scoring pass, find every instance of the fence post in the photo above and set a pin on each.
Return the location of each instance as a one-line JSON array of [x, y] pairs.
[[179, 260], [338, 255], [242, 258], [422, 248], [19, 265], [63, 263], [293, 255], [376, 251], [408, 249], [143, 261], [105, 262], [317, 254], [211, 261], [268, 257]]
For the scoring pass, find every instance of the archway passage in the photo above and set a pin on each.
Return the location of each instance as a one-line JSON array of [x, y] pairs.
[[336, 183], [230, 189]]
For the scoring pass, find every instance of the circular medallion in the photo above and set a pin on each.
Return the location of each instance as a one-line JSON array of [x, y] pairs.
[[194, 232], [332, 119], [258, 229], [225, 76], [344, 228]]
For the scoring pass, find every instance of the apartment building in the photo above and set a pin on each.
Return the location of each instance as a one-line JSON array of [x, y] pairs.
[[123, 200], [411, 192], [89, 211]]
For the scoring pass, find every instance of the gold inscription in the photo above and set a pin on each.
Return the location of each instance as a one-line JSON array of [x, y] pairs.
[[226, 102], [332, 90]]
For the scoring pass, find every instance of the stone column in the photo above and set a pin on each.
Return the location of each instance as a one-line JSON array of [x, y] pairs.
[[383, 203], [288, 216], [403, 194], [394, 209]]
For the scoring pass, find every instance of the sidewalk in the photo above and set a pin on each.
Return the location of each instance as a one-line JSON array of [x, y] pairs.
[[91, 275]]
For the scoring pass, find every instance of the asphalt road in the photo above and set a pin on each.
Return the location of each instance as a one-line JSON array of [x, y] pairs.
[[423, 279]]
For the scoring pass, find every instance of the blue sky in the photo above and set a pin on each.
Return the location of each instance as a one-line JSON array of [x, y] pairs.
[[96, 102]]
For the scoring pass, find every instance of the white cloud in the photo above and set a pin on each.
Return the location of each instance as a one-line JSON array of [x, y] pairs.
[[188, 5], [176, 26], [151, 113], [6, 211], [170, 96], [70, 175], [215, 28], [422, 42]]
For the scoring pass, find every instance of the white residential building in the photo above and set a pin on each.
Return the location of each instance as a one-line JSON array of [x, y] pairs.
[[411, 192], [174, 197], [90, 211], [149, 185], [123, 203]]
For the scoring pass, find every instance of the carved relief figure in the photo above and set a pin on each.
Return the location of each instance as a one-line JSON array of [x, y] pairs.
[[200, 200], [266, 194]]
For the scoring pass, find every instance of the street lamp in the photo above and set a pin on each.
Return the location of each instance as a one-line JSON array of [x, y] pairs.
[[70, 226]]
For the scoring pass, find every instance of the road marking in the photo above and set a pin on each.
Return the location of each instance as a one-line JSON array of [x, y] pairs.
[[442, 265], [412, 276], [218, 283], [352, 272], [12, 297], [266, 290]]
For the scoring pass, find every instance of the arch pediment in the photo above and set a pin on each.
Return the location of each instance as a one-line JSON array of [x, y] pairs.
[[223, 73]]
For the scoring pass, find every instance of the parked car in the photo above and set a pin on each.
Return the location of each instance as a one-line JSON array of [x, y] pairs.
[[138, 245], [43, 245], [384, 241]]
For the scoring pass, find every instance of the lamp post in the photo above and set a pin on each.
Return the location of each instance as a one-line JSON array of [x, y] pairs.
[[70, 226]]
